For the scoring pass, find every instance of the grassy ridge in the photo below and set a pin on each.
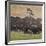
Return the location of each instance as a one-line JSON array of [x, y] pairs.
[[22, 36]]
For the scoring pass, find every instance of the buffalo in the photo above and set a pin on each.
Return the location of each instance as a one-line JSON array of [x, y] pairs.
[[26, 25]]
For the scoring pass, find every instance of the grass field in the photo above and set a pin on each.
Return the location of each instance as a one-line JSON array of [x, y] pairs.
[[22, 36]]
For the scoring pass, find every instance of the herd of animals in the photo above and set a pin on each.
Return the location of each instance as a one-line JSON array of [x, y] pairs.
[[26, 25]]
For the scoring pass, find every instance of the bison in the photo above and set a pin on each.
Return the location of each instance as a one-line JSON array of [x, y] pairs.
[[27, 25]]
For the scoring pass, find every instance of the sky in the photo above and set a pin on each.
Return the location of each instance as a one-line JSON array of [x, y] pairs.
[[21, 10]]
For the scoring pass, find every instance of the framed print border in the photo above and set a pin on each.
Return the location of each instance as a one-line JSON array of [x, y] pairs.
[[7, 19]]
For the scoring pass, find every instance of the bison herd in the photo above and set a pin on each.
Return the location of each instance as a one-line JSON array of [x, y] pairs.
[[26, 25]]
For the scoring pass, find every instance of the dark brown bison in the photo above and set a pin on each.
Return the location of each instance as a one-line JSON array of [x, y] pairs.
[[26, 24]]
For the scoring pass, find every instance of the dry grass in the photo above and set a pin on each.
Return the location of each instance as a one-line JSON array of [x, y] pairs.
[[22, 36]]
